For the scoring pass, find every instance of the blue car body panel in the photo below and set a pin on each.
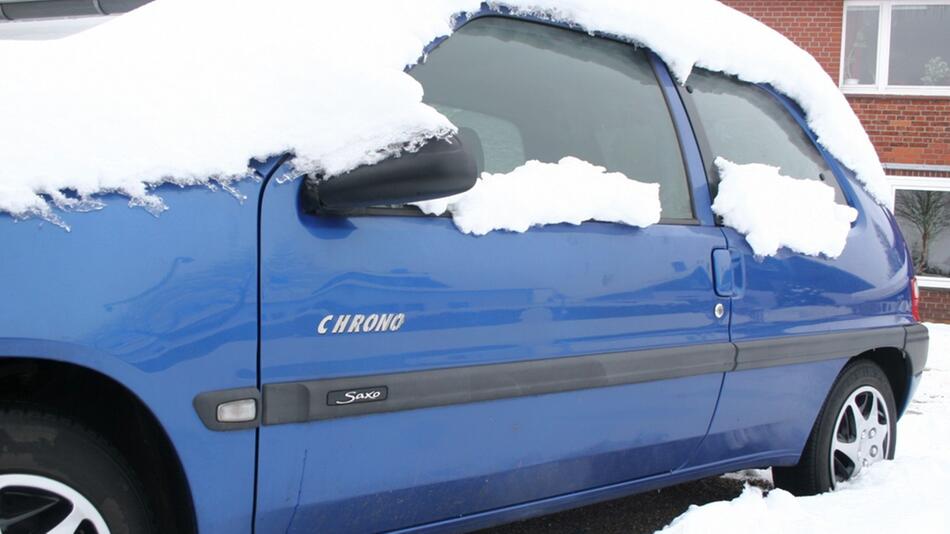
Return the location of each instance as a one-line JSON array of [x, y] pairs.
[[773, 429], [217, 294], [562, 291], [165, 306], [379, 472]]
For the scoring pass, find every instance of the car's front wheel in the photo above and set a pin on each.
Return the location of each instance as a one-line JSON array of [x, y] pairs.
[[856, 428], [57, 476]]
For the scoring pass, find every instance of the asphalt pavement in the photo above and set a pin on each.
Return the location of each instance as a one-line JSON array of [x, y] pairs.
[[644, 513]]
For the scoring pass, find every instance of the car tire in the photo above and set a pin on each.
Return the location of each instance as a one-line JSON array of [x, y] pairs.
[[856, 428], [55, 472]]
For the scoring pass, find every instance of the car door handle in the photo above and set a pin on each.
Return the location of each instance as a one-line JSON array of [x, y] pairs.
[[728, 272]]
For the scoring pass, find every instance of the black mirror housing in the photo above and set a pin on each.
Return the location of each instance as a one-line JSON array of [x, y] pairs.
[[440, 168]]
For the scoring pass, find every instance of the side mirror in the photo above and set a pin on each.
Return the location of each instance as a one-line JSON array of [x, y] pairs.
[[439, 169]]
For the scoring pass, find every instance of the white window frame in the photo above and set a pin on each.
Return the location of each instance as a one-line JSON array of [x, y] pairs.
[[884, 52], [921, 183]]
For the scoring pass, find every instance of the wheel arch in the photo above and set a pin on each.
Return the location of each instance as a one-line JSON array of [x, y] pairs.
[[898, 369], [112, 410]]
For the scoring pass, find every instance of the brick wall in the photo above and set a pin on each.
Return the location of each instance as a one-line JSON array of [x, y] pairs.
[[814, 25], [907, 129], [935, 305]]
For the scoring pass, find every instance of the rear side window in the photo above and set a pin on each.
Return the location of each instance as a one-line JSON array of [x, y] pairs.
[[522, 91], [745, 124]]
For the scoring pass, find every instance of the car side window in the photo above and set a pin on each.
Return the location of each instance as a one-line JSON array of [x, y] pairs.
[[522, 91], [745, 124]]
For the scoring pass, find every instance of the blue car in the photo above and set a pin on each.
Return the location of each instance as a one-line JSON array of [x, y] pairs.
[[324, 357]]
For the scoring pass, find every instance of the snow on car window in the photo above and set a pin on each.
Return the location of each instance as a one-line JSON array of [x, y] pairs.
[[536, 194], [774, 211]]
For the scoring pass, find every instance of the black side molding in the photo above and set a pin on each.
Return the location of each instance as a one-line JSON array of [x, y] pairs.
[[296, 402], [815, 347], [916, 345]]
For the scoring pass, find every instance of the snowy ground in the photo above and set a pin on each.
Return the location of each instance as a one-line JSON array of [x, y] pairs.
[[42, 30], [909, 494]]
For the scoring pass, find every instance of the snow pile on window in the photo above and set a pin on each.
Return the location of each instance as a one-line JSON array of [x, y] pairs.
[[774, 211], [908, 494], [187, 91], [535, 194]]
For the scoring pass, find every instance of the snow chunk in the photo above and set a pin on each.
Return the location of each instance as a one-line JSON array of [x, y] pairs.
[[535, 194], [746, 513], [775, 211], [126, 106]]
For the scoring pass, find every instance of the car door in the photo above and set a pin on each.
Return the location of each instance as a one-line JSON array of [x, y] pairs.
[[512, 367]]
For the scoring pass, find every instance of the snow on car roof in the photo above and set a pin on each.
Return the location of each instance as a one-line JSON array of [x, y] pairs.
[[188, 91]]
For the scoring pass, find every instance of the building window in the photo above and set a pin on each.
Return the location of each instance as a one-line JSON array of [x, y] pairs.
[[896, 47], [922, 208]]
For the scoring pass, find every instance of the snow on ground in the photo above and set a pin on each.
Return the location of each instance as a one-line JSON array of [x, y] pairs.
[[187, 91], [908, 494], [774, 211], [534, 194], [38, 30]]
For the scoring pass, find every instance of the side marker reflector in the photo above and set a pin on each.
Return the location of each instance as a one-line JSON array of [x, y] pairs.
[[237, 411]]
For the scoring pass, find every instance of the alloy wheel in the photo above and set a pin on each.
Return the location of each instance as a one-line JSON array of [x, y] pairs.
[[861, 434], [34, 504]]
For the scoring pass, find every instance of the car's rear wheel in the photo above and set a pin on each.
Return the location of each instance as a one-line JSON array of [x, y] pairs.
[[855, 429], [57, 476]]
